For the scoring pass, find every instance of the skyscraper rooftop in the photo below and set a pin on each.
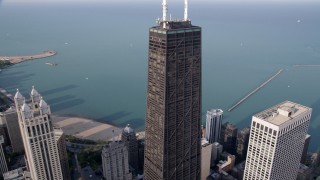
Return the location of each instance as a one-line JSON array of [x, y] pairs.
[[282, 113]]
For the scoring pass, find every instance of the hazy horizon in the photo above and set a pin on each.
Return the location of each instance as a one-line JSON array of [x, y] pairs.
[[160, 1]]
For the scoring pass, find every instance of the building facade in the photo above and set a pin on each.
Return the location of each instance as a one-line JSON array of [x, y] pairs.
[[228, 137], [115, 162], [213, 125], [173, 114], [38, 137], [206, 150], [305, 149], [3, 162], [216, 152], [128, 136], [141, 154], [63, 155], [228, 164], [4, 131], [242, 143], [11, 123], [304, 172], [17, 174], [276, 142]]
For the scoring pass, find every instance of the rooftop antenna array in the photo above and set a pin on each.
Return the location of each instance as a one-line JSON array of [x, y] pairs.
[[165, 13]]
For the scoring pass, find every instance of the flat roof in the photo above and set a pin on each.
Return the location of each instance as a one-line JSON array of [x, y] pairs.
[[214, 112], [174, 27], [282, 112]]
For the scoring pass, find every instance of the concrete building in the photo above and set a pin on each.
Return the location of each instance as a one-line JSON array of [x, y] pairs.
[[213, 125], [315, 159], [216, 152], [63, 155], [4, 132], [305, 149], [17, 174], [228, 164], [3, 162], [220, 176], [10, 121], [276, 142], [173, 113], [304, 172], [242, 143], [115, 162], [129, 138], [141, 154], [38, 137], [238, 171], [206, 151], [228, 137]]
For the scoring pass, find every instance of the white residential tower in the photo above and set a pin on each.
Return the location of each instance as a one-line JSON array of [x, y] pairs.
[[38, 137]]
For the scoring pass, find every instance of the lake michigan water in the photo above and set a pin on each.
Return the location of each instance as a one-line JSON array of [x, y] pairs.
[[102, 56]]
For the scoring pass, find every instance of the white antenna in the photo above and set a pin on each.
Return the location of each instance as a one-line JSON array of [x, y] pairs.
[[185, 10], [164, 10]]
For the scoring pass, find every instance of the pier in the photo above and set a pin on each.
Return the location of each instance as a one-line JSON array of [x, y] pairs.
[[255, 90], [306, 65], [18, 59]]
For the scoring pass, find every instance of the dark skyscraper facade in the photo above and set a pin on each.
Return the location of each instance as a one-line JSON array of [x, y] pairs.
[[228, 137], [173, 116], [242, 143]]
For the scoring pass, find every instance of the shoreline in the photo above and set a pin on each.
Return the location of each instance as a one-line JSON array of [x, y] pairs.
[[86, 128], [84, 117], [19, 59], [78, 126]]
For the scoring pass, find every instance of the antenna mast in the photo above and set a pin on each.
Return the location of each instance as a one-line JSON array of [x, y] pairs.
[[185, 10], [164, 10]]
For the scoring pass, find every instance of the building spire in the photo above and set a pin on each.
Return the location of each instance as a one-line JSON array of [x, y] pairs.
[[185, 10], [18, 99], [18, 95]]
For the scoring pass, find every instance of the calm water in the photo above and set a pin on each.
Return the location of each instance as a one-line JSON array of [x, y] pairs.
[[102, 57]]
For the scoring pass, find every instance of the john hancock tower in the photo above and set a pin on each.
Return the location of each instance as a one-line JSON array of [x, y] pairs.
[[173, 116]]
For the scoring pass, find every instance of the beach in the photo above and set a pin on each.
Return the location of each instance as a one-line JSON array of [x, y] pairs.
[[86, 128]]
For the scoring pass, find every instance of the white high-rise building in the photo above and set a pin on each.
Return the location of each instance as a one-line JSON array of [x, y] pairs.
[[276, 142], [38, 137], [213, 125]]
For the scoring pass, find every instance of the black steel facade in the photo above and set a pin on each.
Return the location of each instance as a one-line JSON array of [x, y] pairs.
[[173, 115]]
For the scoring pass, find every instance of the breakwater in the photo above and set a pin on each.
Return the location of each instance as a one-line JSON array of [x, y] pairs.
[[255, 90], [306, 65], [18, 59]]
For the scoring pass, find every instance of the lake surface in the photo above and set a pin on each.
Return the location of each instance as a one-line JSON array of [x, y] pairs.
[[102, 57]]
